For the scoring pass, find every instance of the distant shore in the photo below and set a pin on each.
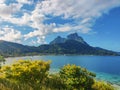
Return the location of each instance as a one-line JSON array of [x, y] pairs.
[[58, 55]]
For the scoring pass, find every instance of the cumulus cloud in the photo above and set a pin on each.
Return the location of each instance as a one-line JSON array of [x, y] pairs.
[[76, 8], [82, 12], [2, 1], [8, 10], [25, 1], [10, 34]]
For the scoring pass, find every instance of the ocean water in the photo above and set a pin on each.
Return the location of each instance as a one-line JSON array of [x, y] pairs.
[[107, 68]]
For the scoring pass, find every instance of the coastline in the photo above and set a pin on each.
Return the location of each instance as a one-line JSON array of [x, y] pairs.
[[117, 87], [57, 55]]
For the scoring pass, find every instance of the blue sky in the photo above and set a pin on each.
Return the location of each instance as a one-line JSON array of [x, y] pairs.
[[35, 22]]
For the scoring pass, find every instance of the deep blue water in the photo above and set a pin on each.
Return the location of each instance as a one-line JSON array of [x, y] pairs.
[[106, 67]]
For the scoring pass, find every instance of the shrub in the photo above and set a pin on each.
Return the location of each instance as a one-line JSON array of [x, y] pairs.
[[54, 82], [99, 85], [8, 85], [32, 73], [75, 77]]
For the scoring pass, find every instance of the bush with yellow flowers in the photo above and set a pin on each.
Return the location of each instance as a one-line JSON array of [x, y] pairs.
[[100, 85], [75, 77], [32, 73]]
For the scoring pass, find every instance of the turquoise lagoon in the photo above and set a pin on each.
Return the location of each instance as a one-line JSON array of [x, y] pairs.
[[107, 68]]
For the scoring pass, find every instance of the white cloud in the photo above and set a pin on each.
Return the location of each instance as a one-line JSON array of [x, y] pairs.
[[76, 8], [25, 1], [9, 34], [33, 34], [2, 1], [6, 11], [24, 20], [41, 40], [83, 12], [62, 29]]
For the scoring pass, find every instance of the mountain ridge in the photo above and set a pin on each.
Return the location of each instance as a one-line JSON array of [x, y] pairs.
[[73, 44], [73, 36]]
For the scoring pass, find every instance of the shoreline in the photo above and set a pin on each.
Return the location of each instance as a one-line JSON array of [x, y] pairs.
[[60, 55], [117, 87]]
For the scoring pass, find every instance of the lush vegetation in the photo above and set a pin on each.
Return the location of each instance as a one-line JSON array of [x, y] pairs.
[[35, 75]]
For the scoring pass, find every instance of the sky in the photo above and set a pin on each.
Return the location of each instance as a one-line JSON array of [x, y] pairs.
[[36, 22]]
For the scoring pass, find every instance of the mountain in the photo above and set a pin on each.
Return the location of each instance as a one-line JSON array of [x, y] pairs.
[[57, 40], [75, 37], [74, 47], [73, 44]]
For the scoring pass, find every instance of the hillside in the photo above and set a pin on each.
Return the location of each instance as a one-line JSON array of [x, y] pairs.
[[73, 44], [15, 49]]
